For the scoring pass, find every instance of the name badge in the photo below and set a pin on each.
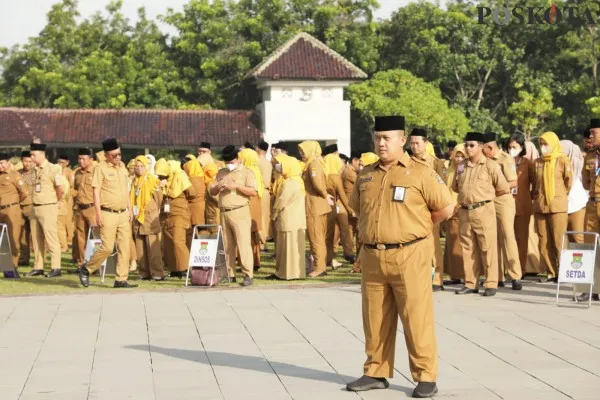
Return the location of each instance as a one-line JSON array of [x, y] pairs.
[[513, 190], [337, 209], [136, 210], [167, 208], [38, 187], [137, 192], [399, 193]]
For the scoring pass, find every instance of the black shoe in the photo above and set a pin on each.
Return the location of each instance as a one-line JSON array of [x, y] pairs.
[[273, 277], [36, 272], [124, 284], [54, 273], [583, 297], [247, 281], [176, 274], [256, 268], [84, 276], [466, 290], [437, 288], [501, 284], [350, 259], [225, 280], [365, 383], [516, 285], [425, 390], [489, 292]]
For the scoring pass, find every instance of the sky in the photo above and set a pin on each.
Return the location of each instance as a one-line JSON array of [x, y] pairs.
[[21, 19]]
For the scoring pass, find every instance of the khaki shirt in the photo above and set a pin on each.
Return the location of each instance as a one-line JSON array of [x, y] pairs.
[[84, 192], [523, 201], [266, 170], [395, 206], [29, 179], [113, 183], [243, 177], [348, 179], [590, 172], [563, 178], [478, 182], [48, 176], [507, 165], [151, 225], [316, 190], [336, 189], [63, 203], [438, 165], [12, 188]]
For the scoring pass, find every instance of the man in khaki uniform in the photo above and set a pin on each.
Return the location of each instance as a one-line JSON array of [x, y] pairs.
[[478, 181], [266, 170], [589, 177], [587, 142], [28, 176], [396, 259], [12, 192], [83, 194], [235, 185], [508, 252], [418, 141], [49, 187], [318, 204], [110, 181]]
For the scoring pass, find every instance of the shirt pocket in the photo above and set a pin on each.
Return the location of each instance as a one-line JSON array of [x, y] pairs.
[[368, 195]]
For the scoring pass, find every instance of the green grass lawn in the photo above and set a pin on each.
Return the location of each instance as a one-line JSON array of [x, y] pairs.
[[69, 282]]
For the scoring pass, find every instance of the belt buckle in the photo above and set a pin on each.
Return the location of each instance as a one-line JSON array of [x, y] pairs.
[[380, 246]]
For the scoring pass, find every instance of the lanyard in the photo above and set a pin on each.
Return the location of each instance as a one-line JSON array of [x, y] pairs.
[[138, 188]]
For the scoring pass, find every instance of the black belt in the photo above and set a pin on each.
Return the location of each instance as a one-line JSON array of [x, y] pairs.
[[231, 209], [473, 206], [390, 246], [47, 204], [113, 211], [8, 205], [84, 206]]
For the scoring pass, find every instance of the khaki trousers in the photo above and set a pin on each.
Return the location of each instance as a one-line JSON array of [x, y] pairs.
[[13, 218], [236, 227], [212, 215], [576, 223], [438, 260], [330, 236], [116, 229], [346, 234], [149, 255], [398, 282], [521, 228], [508, 254], [62, 232], [177, 253], [592, 224], [84, 219], [551, 228], [316, 228], [478, 239], [25, 240], [44, 232]]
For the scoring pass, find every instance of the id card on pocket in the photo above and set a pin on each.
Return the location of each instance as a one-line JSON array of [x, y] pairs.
[[136, 210], [399, 193], [513, 190], [167, 208], [38, 187]]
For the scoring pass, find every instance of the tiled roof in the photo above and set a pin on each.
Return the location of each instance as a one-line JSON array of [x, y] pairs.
[[138, 128], [304, 57]]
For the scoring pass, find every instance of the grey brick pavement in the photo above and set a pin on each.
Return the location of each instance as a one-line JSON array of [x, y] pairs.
[[285, 344]]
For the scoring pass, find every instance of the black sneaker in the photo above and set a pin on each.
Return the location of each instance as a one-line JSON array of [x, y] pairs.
[[466, 290], [36, 272], [489, 292], [425, 390], [54, 273], [516, 285], [365, 383], [247, 281]]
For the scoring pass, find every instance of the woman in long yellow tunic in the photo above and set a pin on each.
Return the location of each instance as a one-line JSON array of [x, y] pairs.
[[249, 158], [197, 203], [290, 220], [453, 257], [211, 213], [175, 215]]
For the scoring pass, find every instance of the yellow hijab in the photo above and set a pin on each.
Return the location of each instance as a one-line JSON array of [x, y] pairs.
[[249, 158], [144, 186], [550, 163], [312, 152], [333, 163], [429, 149], [459, 148], [290, 170], [210, 168], [369, 158], [193, 167], [177, 181]]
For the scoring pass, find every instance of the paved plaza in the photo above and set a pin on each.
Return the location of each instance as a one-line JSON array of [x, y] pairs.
[[286, 343]]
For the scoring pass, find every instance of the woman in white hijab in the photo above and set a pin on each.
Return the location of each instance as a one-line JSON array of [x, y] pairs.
[[151, 163]]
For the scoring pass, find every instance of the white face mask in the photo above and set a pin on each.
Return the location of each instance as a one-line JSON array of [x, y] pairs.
[[231, 167], [515, 152], [545, 150]]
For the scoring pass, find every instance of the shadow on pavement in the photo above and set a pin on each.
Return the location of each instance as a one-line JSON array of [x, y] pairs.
[[251, 363]]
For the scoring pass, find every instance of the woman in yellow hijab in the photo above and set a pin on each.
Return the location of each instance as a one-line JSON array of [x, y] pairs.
[[290, 220], [317, 204], [145, 200], [551, 185], [197, 204], [249, 159], [175, 214], [335, 188], [368, 159], [453, 258]]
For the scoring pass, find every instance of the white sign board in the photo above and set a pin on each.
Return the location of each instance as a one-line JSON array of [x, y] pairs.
[[577, 266], [91, 247], [203, 253]]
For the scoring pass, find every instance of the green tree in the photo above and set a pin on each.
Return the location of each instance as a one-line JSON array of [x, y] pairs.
[[533, 110]]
